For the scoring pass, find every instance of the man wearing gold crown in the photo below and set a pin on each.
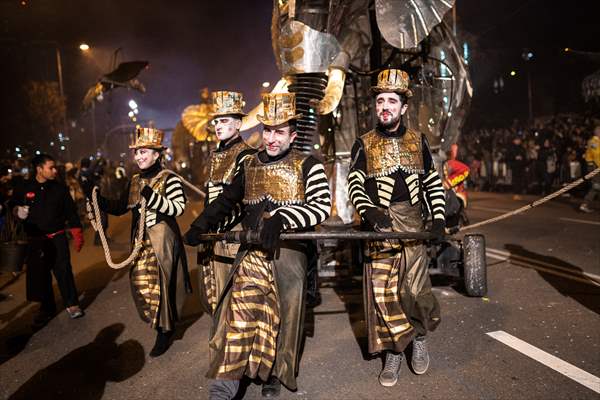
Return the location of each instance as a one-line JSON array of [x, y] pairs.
[[159, 275], [259, 318], [392, 171], [224, 161]]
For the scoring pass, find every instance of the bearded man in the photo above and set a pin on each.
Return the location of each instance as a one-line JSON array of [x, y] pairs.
[[391, 174]]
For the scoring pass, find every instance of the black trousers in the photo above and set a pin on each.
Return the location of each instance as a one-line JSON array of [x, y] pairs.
[[45, 255]]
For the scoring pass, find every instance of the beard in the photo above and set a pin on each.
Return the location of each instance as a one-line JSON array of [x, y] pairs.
[[389, 124]]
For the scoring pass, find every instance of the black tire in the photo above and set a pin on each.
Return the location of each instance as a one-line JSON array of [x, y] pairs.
[[474, 265]]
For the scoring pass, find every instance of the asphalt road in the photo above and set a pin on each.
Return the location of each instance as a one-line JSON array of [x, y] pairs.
[[535, 336]]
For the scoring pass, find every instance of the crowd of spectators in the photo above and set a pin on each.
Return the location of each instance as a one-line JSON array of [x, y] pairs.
[[534, 158]]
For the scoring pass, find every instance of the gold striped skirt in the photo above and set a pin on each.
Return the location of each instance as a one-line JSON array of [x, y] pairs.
[[253, 321]]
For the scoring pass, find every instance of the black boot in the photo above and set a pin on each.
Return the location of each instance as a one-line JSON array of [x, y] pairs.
[[162, 343], [271, 388]]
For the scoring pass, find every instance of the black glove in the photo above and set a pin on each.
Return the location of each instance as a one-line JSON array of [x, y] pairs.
[[147, 192], [377, 218], [437, 230], [269, 234], [191, 237]]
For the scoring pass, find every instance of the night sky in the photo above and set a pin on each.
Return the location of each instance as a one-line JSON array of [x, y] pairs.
[[227, 45]]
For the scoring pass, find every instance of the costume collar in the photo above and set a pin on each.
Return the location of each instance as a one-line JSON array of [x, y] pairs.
[[397, 133], [222, 146], [151, 172]]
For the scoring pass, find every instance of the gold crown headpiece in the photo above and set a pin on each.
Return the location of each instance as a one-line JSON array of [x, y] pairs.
[[392, 80], [150, 138], [278, 108]]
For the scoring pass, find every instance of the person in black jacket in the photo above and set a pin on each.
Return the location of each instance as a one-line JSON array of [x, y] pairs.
[[47, 210], [516, 158]]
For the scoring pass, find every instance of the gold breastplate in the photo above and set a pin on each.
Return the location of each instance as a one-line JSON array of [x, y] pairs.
[[137, 183], [280, 182], [387, 155], [223, 163]]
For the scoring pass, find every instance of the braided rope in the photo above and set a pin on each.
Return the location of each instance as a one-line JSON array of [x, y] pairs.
[[535, 203], [93, 211]]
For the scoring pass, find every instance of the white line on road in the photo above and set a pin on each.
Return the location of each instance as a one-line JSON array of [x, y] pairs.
[[580, 276], [569, 370], [581, 221]]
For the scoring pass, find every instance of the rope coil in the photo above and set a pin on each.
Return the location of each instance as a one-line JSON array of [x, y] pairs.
[[93, 211]]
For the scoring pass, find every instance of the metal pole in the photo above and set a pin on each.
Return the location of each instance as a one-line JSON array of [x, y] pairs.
[[59, 69], [94, 125], [62, 96], [254, 236], [530, 96], [454, 19]]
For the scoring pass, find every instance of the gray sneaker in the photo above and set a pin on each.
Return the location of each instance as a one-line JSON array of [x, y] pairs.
[[391, 370], [420, 355]]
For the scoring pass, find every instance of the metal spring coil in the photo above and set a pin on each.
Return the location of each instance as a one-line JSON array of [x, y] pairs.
[[307, 87]]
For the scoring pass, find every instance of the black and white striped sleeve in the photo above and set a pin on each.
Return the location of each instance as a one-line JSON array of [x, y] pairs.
[[356, 180], [432, 186], [317, 206], [173, 202]]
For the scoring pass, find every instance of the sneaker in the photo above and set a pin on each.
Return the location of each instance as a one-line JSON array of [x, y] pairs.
[[420, 355], [391, 370], [74, 312], [584, 207]]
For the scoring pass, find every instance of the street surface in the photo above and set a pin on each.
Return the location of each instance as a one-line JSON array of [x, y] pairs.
[[535, 336]]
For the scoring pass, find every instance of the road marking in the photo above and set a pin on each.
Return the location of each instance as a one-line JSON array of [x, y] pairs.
[[581, 221], [521, 261], [569, 370]]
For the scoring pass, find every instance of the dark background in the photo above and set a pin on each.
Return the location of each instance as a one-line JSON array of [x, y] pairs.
[[227, 45]]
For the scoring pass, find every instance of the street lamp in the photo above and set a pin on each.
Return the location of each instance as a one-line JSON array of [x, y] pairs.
[[84, 47], [528, 56]]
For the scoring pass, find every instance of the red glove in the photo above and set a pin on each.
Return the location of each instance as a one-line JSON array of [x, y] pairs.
[[77, 234]]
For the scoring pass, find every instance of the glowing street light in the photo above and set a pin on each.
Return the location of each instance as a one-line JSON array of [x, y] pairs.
[[266, 84], [84, 47], [513, 73], [132, 104]]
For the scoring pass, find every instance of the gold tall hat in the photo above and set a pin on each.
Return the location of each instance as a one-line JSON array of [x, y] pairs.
[[149, 138], [392, 80], [278, 108], [227, 103]]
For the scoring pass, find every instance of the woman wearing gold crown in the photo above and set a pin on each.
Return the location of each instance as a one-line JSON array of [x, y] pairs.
[[161, 265]]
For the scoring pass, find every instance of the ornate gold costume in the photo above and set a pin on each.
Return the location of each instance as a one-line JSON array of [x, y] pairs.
[[223, 163], [137, 183], [281, 182], [385, 155]]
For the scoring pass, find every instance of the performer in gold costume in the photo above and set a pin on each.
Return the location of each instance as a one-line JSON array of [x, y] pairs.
[[159, 274], [392, 172], [216, 261], [259, 317]]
